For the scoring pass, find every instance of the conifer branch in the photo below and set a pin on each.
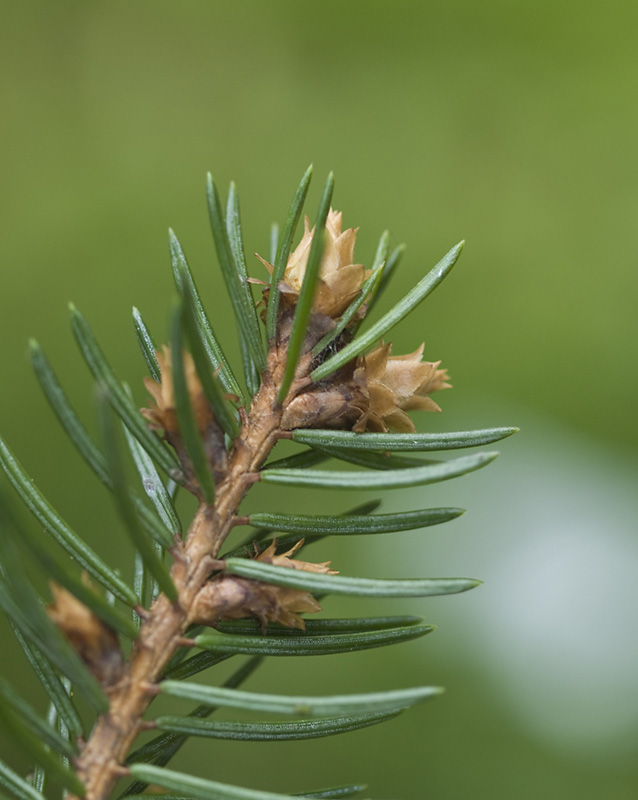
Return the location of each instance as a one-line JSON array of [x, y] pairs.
[[340, 395]]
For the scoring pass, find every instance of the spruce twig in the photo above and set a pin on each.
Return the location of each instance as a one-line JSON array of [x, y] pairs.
[[320, 384]]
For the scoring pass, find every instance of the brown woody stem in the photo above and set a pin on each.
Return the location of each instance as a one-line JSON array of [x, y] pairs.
[[165, 623]]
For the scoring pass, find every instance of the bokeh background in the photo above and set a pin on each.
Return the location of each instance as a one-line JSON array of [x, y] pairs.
[[512, 125]]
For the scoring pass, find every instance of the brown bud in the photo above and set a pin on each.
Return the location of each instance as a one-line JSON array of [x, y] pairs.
[[338, 406], [394, 385], [163, 416], [340, 280], [95, 642], [232, 597], [373, 397], [284, 560]]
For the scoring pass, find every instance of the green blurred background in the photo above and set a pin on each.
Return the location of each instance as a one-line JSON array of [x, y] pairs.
[[512, 125]]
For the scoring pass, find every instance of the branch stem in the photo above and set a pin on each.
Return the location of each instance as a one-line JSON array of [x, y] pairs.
[[164, 625]]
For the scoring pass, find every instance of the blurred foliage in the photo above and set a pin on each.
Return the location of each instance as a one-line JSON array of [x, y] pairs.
[[510, 125]]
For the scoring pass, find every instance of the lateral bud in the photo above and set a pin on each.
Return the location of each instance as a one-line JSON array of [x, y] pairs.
[[162, 417], [373, 395], [232, 597], [95, 642]]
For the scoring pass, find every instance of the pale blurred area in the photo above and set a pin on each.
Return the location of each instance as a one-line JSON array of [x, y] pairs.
[[551, 530], [513, 126]]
